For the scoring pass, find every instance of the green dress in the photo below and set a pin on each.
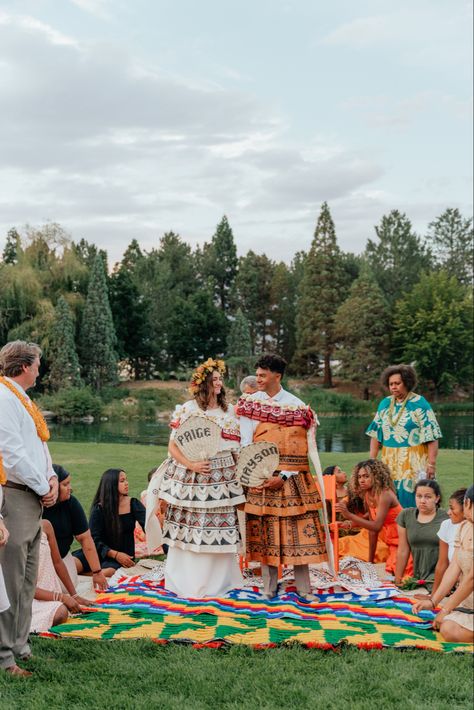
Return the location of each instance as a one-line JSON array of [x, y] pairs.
[[423, 540], [404, 431]]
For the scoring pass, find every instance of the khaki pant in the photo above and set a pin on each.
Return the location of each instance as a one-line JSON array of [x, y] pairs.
[[270, 579], [19, 559]]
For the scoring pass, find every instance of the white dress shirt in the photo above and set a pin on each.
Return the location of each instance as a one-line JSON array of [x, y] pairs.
[[248, 426], [26, 459]]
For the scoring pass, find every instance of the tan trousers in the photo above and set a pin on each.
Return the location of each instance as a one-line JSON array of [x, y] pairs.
[[19, 559], [270, 579]]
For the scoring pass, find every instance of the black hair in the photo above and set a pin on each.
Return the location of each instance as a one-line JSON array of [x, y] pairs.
[[107, 497], [151, 473], [329, 470], [272, 362], [458, 495], [61, 472], [406, 372], [470, 494], [430, 483]]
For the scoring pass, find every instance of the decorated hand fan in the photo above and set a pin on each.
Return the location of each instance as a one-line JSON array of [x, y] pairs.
[[257, 462], [198, 438]]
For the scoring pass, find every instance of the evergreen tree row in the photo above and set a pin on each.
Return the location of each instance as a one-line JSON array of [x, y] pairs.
[[406, 298]]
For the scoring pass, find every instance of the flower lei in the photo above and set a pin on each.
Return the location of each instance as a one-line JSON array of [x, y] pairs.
[[201, 372], [393, 422]]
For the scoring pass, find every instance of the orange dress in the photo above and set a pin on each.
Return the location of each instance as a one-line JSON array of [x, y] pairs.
[[387, 543]]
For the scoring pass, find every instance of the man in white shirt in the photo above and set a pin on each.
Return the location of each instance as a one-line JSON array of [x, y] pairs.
[[282, 516], [30, 484]]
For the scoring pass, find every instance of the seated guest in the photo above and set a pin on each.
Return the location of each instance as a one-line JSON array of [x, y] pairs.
[[418, 533], [341, 481], [50, 605], [141, 547], [112, 521], [372, 482], [69, 521], [447, 535], [249, 385], [456, 619]]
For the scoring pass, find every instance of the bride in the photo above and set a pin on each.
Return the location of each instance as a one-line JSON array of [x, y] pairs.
[[201, 524]]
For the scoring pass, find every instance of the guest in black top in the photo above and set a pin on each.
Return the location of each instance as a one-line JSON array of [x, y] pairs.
[[112, 521], [69, 521]]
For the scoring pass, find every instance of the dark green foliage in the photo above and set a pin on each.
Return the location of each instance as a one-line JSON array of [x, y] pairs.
[[253, 295], [72, 403], [398, 257], [12, 249], [450, 238], [321, 292], [196, 329], [284, 288], [219, 263], [362, 325], [98, 356], [64, 362], [238, 340], [433, 328], [131, 315]]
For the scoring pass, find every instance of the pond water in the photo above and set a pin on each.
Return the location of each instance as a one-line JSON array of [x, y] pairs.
[[345, 434]]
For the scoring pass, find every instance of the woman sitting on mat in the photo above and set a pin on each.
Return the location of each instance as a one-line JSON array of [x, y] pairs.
[[447, 534], [112, 521], [69, 522], [50, 605], [372, 482], [456, 619], [418, 533]]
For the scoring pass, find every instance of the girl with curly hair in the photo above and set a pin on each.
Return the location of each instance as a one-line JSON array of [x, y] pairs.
[[372, 482]]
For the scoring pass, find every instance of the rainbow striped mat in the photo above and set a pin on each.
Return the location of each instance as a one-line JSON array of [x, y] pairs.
[[142, 609]]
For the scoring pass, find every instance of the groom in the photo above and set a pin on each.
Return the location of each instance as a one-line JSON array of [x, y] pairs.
[[282, 518]]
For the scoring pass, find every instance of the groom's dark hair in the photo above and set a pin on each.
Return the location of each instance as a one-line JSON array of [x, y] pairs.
[[272, 362]]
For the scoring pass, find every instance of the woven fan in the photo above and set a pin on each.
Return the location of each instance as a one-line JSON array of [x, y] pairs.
[[257, 462], [198, 438]]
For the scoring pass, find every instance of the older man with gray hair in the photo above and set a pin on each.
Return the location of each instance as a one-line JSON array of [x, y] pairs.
[[249, 385], [29, 483]]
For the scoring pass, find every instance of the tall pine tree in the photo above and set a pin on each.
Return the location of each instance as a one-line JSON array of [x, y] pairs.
[[361, 328], [12, 248], [62, 355], [450, 238], [98, 356], [321, 292], [219, 263], [398, 258]]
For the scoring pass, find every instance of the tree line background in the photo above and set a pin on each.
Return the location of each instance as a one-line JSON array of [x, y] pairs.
[[156, 313]]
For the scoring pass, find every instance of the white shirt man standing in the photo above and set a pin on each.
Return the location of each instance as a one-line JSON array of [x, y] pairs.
[[29, 483]]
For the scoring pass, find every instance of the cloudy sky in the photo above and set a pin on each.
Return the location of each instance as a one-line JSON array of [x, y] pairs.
[[124, 119]]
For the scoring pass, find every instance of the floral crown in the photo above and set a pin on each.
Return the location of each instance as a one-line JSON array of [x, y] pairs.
[[201, 372]]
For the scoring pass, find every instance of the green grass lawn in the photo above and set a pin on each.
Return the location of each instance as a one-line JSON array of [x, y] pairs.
[[77, 674], [87, 462]]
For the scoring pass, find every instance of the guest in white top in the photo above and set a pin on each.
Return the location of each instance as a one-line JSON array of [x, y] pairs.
[[447, 535], [29, 483]]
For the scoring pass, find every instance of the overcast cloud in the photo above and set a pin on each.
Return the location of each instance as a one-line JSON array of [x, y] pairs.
[[119, 129]]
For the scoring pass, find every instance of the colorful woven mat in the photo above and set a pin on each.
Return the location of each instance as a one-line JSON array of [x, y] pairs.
[[142, 609]]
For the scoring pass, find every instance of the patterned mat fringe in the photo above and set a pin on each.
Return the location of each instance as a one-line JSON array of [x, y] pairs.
[[138, 608]]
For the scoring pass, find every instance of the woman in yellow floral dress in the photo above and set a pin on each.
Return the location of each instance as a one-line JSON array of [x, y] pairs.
[[406, 429]]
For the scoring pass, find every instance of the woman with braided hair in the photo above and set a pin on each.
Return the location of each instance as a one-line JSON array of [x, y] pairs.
[[201, 525], [372, 482]]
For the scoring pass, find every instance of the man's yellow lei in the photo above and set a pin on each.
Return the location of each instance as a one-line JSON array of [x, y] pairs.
[[34, 412], [201, 372]]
